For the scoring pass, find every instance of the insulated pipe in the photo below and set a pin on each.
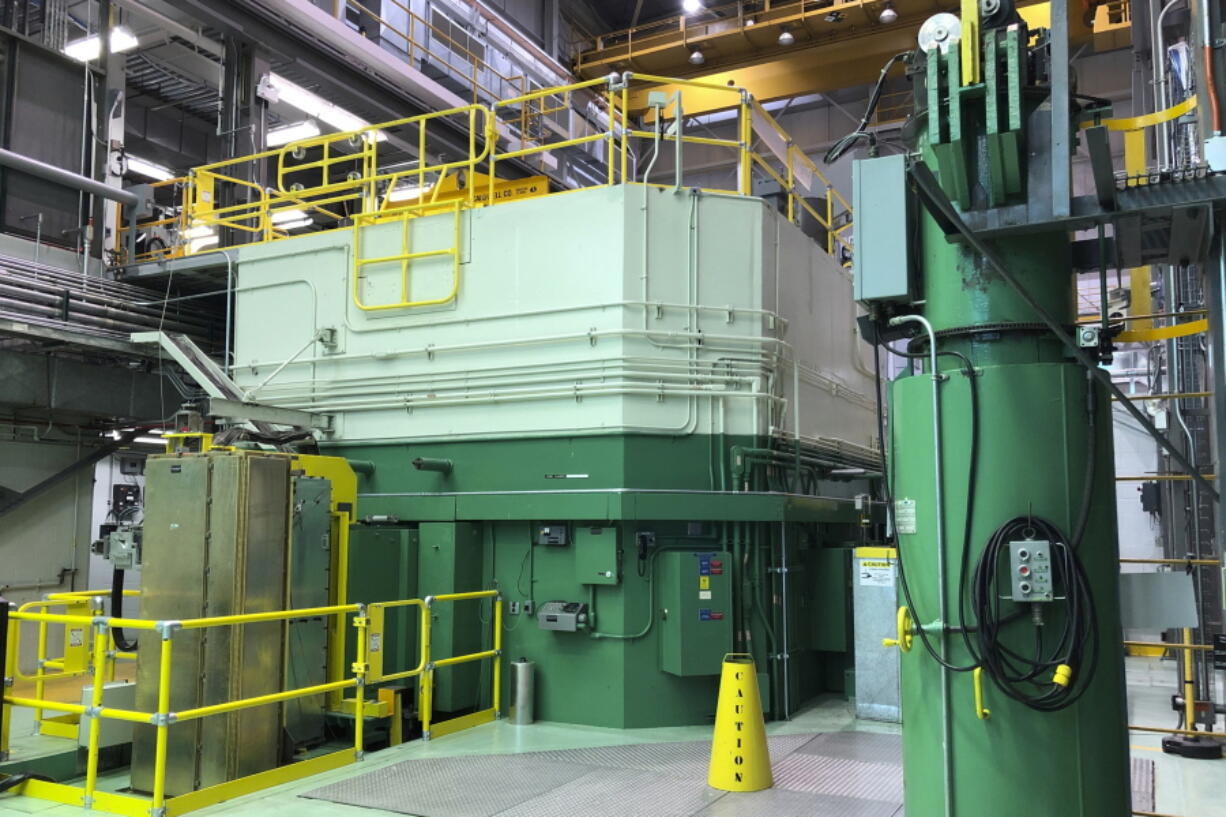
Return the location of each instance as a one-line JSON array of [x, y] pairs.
[[946, 737], [1157, 58], [1210, 83], [363, 467], [66, 178]]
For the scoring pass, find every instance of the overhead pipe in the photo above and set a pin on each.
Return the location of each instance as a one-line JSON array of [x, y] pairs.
[[66, 178]]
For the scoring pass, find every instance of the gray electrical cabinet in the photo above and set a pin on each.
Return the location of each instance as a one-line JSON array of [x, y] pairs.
[[882, 266]]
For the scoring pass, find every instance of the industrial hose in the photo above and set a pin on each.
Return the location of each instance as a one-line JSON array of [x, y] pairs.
[[847, 142], [9, 783], [121, 644]]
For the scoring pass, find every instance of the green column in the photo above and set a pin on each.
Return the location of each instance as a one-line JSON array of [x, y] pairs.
[[1034, 442]]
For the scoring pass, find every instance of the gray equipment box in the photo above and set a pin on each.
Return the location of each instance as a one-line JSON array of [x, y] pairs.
[[564, 616], [882, 266], [875, 604]]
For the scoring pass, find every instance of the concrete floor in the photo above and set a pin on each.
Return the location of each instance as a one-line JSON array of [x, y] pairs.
[[1185, 788]]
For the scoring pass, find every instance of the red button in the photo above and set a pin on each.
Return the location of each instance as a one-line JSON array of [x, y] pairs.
[[716, 563], [717, 616], [717, 571]]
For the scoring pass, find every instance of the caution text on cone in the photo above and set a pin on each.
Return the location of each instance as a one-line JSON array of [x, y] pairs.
[[740, 759]]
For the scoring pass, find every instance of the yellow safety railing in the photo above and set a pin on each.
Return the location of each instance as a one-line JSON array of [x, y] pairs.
[[345, 180], [367, 668], [76, 658], [164, 237]]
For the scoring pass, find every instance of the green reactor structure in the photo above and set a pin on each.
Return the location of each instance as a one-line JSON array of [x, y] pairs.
[[1000, 466], [644, 419]]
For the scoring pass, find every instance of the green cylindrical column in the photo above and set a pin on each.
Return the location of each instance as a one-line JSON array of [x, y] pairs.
[[1035, 441]]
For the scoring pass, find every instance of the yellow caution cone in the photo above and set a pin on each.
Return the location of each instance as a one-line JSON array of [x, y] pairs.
[[740, 759]]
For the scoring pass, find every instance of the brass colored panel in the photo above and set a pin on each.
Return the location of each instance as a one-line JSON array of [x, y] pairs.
[[218, 529]]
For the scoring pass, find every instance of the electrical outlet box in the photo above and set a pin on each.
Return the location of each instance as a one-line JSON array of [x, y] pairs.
[[513, 608], [1031, 568], [528, 607]]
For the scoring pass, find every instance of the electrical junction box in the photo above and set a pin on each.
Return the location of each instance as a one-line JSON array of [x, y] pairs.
[[563, 616], [552, 535], [881, 263], [695, 599], [1031, 568], [596, 556]]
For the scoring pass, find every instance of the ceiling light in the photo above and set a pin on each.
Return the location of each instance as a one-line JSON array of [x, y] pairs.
[[696, 57], [144, 167], [296, 224], [276, 88], [90, 48], [786, 37], [691, 6], [292, 133], [288, 214], [888, 13], [749, 21]]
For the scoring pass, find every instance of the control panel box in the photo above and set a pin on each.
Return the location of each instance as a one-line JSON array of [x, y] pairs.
[[564, 616], [597, 556], [1030, 566], [695, 599]]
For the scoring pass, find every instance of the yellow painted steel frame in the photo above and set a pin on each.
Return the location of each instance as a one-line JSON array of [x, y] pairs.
[[367, 668], [440, 188]]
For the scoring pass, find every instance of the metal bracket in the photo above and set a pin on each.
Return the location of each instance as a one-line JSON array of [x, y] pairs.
[[163, 718], [947, 217], [166, 629]]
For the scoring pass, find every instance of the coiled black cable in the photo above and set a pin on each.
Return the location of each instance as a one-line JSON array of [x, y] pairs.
[[1031, 679], [121, 643]]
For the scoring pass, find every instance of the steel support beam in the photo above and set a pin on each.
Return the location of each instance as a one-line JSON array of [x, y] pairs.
[[55, 479], [946, 215]]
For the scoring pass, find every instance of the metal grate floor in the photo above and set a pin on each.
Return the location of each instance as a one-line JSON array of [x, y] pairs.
[[840, 774]]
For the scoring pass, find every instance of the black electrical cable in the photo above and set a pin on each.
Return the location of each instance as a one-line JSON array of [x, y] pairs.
[[847, 142], [1030, 680], [121, 644], [16, 780]]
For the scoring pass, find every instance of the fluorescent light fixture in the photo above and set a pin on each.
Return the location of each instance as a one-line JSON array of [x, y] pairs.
[[292, 133], [290, 214], [691, 6], [276, 88], [90, 48], [410, 191], [296, 224], [144, 167], [198, 244], [696, 57]]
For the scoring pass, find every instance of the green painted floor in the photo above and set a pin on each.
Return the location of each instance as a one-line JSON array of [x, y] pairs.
[[1185, 788]]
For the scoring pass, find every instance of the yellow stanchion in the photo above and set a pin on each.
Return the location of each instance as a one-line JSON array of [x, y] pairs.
[[740, 758]]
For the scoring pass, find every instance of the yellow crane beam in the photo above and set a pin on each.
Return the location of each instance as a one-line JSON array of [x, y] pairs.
[[826, 56]]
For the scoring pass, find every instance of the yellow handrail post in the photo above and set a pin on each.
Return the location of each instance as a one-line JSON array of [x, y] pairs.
[[625, 127], [40, 685], [162, 721], [101, 634], [746, 130], [497, 658], [6, 709], [360, 666], [829, 221], [611, 137], [791, 191], [426, 699], [472, 154]]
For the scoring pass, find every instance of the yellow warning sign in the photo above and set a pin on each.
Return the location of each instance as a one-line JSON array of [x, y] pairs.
[[704, 582], [740, 758]]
